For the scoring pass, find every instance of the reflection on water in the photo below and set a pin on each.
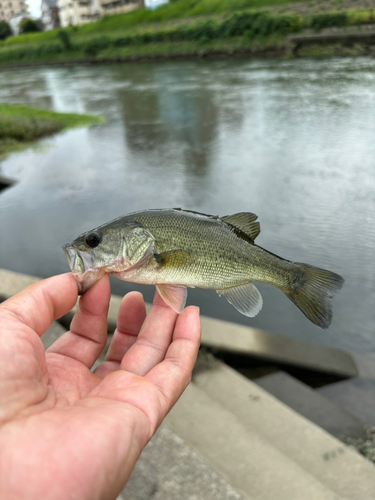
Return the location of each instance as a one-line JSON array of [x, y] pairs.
[[292, 141]]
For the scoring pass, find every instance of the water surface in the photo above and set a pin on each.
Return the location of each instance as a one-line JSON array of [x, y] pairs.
[[292, 141]]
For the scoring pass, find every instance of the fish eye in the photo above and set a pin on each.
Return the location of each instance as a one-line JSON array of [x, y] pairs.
[[92, 240]]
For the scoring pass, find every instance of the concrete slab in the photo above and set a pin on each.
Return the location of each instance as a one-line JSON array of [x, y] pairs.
[[168, 469], [236, 338], [253, 342], [356, 395], [339, 467], [11, 283], [251, 464], [312, 405], [365, 363]]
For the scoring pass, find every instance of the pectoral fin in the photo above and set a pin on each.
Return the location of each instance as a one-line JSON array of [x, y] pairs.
[[172, 258], [245, 298], [174, 296]]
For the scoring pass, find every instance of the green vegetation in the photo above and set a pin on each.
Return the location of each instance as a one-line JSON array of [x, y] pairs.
[[5, 30], [198, 49], [177, 10], [174, 11], [19, 125], [197, 25], [28, 26]]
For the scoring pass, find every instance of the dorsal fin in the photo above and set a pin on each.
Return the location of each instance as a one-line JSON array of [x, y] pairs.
[[245, 222]]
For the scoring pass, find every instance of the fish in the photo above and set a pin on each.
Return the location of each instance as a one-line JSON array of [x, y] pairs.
[[176, 249]]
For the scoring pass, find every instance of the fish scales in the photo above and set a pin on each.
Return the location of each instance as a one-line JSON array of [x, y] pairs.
[[174, 249], [219, 258]]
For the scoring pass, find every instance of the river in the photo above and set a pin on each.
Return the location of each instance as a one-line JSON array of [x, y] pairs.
[[290, 140]]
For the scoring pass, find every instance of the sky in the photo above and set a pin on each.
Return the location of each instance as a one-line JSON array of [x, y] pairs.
[[34, 7]]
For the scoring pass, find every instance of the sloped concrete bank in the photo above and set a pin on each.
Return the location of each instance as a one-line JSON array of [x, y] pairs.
[[366, 40]]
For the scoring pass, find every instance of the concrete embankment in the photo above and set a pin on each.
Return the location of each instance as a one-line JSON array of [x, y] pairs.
[[366, 40], [227, 438]]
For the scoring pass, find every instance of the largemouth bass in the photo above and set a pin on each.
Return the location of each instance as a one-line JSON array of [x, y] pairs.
[[174, 249]]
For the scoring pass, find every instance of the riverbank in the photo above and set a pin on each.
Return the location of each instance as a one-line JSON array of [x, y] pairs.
[[257, 33], [275, 46], [20, 125]]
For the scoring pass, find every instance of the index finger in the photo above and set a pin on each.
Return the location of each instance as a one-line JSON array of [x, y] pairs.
[[41, 303]]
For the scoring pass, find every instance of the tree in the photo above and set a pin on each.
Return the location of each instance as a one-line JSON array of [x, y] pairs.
[[5, 30], [28, 25]]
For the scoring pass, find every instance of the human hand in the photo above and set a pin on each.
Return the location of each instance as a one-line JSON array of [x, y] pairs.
[[66, 432]]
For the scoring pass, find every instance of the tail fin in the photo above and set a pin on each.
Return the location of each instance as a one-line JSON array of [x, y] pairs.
[[313, 291]]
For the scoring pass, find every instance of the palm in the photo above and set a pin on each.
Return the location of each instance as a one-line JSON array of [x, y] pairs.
[[87, 428]]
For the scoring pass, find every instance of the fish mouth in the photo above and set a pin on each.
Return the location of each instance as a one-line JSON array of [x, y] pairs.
[[81, 266], [79, 262]]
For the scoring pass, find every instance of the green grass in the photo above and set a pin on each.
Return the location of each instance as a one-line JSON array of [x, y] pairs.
[[248, 24], [175, 10], [181, 23], [160, 50], [30, 38], [195, 48], [20, 125]]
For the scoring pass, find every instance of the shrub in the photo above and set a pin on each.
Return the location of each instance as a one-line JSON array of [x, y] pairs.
[[31, 52], [123, 41], [95, 45], [320, 21], [65, 39], [28, 26], [5, 30], [246, 23]]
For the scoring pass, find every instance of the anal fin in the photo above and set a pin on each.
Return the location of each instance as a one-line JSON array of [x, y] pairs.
[[174, 296], [245, 298]]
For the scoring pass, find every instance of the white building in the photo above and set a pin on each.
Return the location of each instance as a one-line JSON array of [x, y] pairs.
[[50, 14], [110, 7], [13, 8], [75, 12]]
